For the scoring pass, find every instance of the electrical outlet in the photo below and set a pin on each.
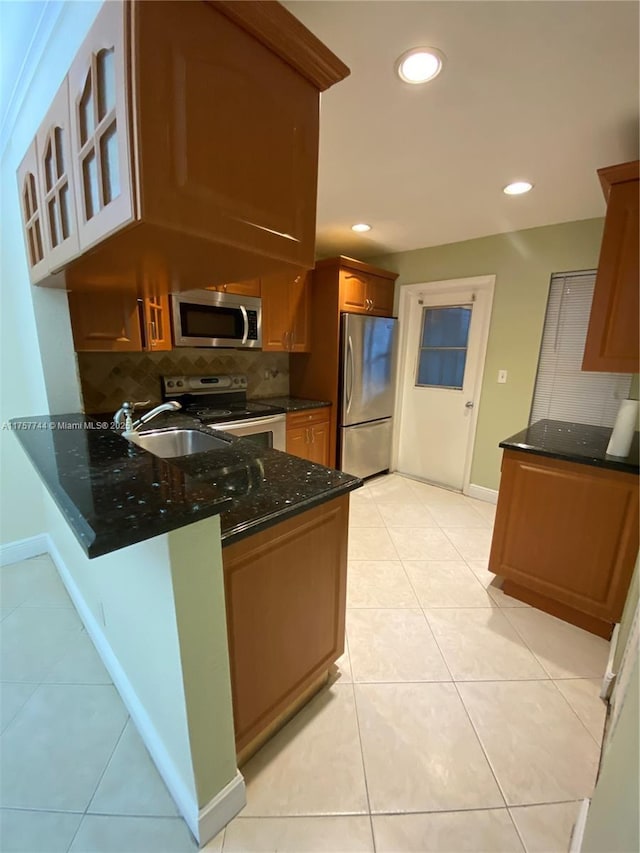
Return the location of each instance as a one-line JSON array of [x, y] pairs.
[[502, 376]]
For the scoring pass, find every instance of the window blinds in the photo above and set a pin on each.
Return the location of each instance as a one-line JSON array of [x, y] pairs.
[[563, 391]]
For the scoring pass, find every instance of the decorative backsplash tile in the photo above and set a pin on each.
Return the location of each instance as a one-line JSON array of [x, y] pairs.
[[107, 379]]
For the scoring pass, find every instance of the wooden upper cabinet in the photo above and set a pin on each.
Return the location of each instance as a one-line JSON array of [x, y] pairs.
[[242, 288], [105, 320], [286, 313], [53, 145], [194, 138], [98, 100], [612, 339], [237, 166], [364, 292], [353, 291], [380, 292], [32, 214]]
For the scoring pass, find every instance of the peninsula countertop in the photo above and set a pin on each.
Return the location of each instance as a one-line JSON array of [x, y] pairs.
[[114, 494], [573, 442]]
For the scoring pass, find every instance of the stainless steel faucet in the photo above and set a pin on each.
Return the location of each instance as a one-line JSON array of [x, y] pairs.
[[125, 414]]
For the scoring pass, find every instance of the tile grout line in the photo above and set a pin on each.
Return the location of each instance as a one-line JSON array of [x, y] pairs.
[[584, 725], [482, 747], [364, 768]]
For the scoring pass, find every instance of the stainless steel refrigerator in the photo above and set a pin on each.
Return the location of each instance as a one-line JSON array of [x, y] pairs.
[[367, 363]]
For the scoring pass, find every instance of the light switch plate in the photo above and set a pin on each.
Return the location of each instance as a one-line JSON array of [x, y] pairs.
[[502, 376]]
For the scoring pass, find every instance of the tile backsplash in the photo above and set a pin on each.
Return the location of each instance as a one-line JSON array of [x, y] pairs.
[[107, 379]]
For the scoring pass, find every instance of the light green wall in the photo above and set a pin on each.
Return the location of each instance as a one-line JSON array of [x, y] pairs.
[[523, 262], [613, 819], [23, 386], [198, 589], [129, 594], [627, 615], [150, 599]]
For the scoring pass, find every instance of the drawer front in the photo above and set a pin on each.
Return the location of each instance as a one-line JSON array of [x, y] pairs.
[[308, 417]]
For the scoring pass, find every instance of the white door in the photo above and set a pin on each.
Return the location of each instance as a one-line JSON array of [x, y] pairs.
[[444, 344]]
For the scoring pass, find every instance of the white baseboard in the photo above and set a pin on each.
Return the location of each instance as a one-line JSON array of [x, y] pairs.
[[482, 494], [24, 549], [577, 834], [221, 809], [184, 798]]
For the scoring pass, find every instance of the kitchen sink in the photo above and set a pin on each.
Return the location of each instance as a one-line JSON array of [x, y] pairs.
[[168, 443]]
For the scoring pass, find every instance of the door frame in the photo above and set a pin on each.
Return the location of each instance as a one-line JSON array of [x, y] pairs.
[[484, 287]]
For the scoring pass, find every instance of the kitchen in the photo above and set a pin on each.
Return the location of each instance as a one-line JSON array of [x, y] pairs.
[[567, 257]]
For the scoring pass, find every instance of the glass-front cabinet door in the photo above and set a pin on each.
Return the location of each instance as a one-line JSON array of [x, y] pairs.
[[100, 148], [53, 145], [31, 209]]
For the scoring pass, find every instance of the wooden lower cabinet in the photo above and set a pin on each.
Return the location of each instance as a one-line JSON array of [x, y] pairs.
[[309, 435], [566, 537], [285, 590]]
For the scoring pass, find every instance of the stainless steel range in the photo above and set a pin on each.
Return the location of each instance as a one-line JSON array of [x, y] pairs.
[[221, 402]]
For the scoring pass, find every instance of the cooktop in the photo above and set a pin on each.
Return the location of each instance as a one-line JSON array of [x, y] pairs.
[[214, 399]]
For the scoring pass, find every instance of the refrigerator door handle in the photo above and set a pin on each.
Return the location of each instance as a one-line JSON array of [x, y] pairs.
[[350, 373]]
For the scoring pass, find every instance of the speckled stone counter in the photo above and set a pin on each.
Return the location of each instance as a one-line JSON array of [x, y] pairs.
[[574, 443], [114, 494], [293, 404]]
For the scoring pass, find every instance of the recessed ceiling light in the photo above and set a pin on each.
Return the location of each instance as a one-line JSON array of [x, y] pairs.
[[420, 64], [361, 226], [517, 188]]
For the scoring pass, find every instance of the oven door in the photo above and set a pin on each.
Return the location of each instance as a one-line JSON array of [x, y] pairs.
[[269, 431]]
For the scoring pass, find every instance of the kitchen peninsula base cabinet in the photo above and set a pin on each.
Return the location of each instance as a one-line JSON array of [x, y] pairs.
[[566, 537], [285, 590]]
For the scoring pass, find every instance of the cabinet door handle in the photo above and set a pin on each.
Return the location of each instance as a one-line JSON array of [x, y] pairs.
[[313, 435], [306, 435]]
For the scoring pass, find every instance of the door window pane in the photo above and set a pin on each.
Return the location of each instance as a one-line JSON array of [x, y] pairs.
[[443, 346], [445, 327]]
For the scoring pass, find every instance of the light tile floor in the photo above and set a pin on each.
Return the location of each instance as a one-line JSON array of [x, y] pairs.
[[459, 719]]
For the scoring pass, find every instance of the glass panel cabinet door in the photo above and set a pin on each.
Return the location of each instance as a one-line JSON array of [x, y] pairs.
[[53, 145], [99, 140], [32, 215]]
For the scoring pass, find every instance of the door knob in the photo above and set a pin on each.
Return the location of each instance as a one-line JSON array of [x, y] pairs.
[[469, 404]]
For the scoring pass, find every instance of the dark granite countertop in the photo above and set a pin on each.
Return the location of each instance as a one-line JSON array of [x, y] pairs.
[[115, 494], [574, 443], [293, 404]]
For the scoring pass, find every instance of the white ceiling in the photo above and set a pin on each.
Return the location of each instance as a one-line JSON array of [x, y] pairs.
[[546, 91]]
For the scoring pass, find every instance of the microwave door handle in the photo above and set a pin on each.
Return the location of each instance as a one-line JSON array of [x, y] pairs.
[[245, 319]]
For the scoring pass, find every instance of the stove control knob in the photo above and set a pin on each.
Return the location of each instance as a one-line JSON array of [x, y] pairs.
[[179, 383], [169, 384]]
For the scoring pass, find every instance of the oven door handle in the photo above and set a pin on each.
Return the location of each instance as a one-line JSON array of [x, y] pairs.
[[250, 424], [245, 319]]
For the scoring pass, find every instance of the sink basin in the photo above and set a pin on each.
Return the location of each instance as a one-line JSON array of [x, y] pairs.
[[168, 443]]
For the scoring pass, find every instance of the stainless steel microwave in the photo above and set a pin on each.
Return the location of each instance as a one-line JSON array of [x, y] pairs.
[[207, 318]]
